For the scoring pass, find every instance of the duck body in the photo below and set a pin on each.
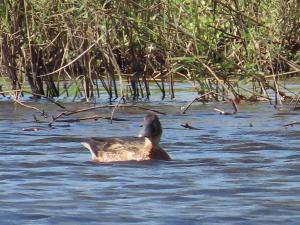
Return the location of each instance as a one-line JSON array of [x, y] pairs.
[[116, 149]]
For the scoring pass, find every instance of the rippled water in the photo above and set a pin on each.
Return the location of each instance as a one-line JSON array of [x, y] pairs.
[[241, 169]]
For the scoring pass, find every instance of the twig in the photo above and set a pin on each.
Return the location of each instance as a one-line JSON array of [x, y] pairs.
[[234, 105], [35, 94], [69, 113], [240, 13], [30, 107], [223, 112], [147, 109], [292, 64], [213, 74], [296, 108], [74, 60], [96, 117], [291, 124], [186, 125], [114, 109], [33, 129], [283, 74], [43, 96], [184, 109]]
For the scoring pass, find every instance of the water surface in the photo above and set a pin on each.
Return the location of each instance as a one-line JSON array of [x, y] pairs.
[[240, 169]]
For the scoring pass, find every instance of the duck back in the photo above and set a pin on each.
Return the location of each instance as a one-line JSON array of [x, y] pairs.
[[114, 149]]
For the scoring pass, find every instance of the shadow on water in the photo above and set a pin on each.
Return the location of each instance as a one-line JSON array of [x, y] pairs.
[[227, 172]]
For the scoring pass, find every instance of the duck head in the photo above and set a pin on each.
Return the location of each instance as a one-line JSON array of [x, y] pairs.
[[152, 129]]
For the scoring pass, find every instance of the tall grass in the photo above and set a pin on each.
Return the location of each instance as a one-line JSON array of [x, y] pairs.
[[122, 45]]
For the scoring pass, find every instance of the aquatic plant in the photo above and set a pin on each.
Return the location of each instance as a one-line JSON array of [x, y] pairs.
[[78, 47]]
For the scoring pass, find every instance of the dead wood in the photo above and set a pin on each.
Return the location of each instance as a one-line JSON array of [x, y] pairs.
[[291, 124], [188, 126], [184, 109], [69, 113]]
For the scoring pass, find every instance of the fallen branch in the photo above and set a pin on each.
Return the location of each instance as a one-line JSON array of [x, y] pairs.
[[43, 113], [88, 118], [33, 129], [234, 105], [291, 124], [69, 113], [49, 99], [114, 109], [186, 125], [184, 109], [223, 112], [34, 94], [152, 110]]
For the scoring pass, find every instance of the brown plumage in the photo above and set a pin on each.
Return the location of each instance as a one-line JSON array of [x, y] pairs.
[[115, 149]]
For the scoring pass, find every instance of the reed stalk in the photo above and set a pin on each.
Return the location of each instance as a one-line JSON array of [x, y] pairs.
[[122, 46]]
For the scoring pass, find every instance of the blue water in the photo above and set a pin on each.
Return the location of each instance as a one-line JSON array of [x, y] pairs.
[[240, 169]]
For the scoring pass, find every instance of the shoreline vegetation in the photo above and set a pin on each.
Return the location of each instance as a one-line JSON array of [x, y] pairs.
[[219, 47]]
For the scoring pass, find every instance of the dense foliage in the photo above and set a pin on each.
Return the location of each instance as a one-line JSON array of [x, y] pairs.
[[120, 45]]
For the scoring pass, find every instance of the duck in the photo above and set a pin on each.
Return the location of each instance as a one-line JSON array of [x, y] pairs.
[[105, 150]]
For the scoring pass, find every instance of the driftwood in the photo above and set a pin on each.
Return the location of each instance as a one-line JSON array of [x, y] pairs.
[[15, 94], [96, 117], [186, 125], [33, 129], [234, 105], [291, 124], [184, 109], [69, 113], [223, 112], [114, 109], [49, 99], [15, 99]]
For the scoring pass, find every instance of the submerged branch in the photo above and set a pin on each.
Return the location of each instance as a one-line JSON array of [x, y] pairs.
[[49, 99], [33, 129], [69, 113], [291, 124], [16, 100], [188, 126], [114, 109], [223, 112], [234, 105], [96, 117], [184, 109]]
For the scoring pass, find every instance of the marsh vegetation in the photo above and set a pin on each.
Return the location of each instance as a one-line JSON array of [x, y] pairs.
[[242, 49], [241, 168]]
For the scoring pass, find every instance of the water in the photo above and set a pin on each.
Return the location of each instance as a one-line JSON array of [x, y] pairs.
[[241, 169]]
